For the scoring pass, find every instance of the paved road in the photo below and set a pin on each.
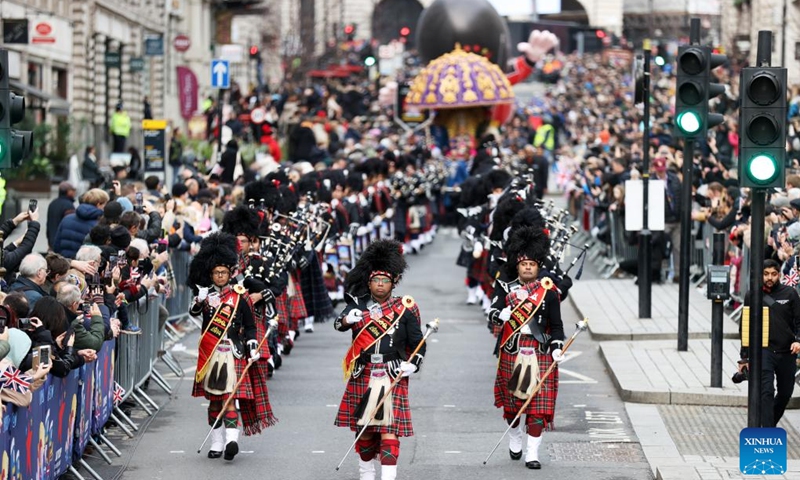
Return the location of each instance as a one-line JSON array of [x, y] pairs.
[[455, 422]]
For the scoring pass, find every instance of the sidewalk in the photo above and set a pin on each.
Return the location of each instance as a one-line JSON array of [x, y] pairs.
[[690, 430]]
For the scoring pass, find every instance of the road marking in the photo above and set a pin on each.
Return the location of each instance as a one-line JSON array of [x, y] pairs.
[[449, 406], [452, 451], [176, 451], [579, 378], [317, 451], [434, 340], [330, 405], [189, 370], [600, 434], [247, 451], [579, 406], [204, 404]]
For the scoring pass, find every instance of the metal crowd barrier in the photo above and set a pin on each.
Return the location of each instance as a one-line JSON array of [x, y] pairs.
[[68, 414]]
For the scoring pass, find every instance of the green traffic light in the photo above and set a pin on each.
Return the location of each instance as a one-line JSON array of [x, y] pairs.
[[762, 168], [689, 122], [660, 61], [369, 61]]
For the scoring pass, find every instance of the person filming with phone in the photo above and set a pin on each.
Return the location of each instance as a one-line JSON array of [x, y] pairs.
[[778, 358]]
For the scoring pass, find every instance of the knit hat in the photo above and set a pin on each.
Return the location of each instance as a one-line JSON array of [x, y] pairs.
[[120, 237], [127, 206], [112, 211]]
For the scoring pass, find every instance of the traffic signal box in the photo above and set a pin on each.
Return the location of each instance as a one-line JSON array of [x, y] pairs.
[[762, 129], [694, 89], [15, 145]]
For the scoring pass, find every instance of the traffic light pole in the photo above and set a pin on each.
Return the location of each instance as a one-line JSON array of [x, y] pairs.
[[686, 244], [757, 209], [645, 236]]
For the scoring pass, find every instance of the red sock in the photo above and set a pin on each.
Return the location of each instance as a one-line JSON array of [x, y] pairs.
[[366, 448], [390, 450]]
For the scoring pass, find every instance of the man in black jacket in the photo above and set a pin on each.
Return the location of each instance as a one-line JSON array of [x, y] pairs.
[[778, 358], [58, 209]]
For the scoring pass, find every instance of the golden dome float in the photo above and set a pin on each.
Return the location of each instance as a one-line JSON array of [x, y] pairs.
[[460, 79]]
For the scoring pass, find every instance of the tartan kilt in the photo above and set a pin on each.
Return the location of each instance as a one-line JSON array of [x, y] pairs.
[[297, 309], [282, 309], [354, 392], [252, 395], [543, 404], [261, 330], [496, 329]]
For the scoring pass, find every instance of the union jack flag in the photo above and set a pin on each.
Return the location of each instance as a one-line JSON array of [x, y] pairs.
[[792, 279], [13, 379], [119, 392]]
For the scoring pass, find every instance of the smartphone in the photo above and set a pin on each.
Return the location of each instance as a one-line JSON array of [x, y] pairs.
[[24, 324], [139, 198], [87, 309], [122, 260], [44, 354], [108, 280], [33, 204], [112, 261], [35, 358]]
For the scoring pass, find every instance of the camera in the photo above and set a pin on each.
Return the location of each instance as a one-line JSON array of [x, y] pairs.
[[32, 205], [25, 324], [740, 377]]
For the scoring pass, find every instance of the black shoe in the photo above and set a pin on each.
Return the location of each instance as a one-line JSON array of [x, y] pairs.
[[213, 454], [534, 465], [231, 449], [514, 455]]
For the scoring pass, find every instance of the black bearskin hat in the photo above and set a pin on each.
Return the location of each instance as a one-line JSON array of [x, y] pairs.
[[260, 190], [528, 217], [309, 183], [526, 243], [507, 208], [241, 220], [385, 256], [288, 203], [217, 249], [497, 179]]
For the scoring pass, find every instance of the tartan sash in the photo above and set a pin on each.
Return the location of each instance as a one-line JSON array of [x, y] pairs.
[[372, 332], [523, 312], [215, 330]]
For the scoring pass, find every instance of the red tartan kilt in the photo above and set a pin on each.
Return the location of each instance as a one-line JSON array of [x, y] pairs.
[[496, 329], [245, 389], [282, 309], [297, 308], [253, 397], [261, 331], [543, 404], [357, 387], [479, 270]]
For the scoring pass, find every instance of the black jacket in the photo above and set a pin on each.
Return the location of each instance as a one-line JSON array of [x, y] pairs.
[[13, 255], [784, 319], [401, 342], [242, 328], [64, 359], [58, 209]]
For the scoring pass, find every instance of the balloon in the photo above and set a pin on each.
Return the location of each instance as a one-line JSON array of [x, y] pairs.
[[503, 113], [475, 24]]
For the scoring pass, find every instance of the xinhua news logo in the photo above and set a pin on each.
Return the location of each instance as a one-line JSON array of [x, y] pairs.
[[762, 451]]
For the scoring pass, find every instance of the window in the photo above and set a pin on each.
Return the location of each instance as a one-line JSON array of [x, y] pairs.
[[59, 82], [35, 75]]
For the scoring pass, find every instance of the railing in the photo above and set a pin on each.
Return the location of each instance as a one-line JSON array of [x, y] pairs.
[[47, 438]]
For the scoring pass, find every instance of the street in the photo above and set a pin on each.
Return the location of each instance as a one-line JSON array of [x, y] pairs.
[[455, 422]]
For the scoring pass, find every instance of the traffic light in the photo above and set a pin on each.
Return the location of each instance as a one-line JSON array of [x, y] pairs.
[[254, 53], [369, 61], [762, 130], [694, 88], [350, 31], [15, 145]]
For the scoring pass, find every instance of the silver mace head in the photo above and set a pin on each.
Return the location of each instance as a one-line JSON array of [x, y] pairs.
[[433, 326], [583, 324]]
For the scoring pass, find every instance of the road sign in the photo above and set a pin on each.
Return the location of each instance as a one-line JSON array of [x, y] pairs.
[[113, 60], [220, 74], [154, 46], [181, 43], [15, 30], [258, 115], [137, 64]]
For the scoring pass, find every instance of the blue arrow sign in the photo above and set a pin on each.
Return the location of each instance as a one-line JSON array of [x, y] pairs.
[[220, 74]]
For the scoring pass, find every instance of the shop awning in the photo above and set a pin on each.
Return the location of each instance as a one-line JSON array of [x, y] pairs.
[[54, 105]]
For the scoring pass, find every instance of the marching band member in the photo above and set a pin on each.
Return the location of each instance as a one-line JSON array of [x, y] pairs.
[[531, 339], [385, 330]]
